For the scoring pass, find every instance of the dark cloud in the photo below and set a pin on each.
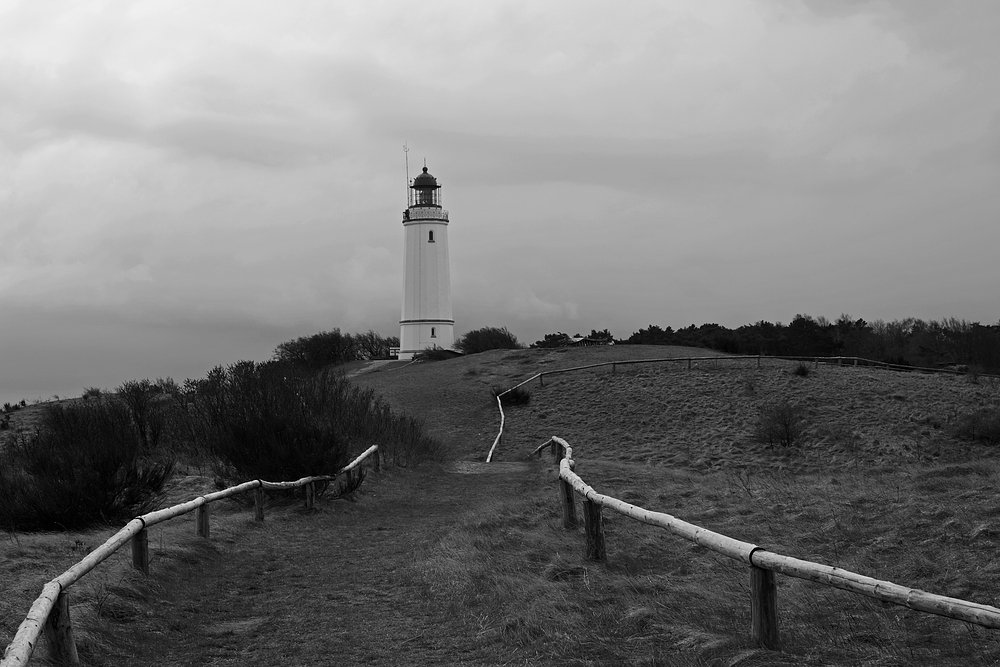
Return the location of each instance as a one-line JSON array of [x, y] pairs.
[[185, 186]]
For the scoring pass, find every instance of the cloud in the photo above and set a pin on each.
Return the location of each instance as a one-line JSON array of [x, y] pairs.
[[235, 168]]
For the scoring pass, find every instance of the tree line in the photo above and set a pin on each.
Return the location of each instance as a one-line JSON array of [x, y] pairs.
[[332, 347], [908, 342]]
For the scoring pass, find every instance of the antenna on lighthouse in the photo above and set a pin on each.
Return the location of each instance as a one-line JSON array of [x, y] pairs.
[[406, 160]]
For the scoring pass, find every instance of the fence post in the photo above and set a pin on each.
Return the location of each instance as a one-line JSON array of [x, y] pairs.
[[258, 504], [568, 499], [310, 495], [593, 527], [614, 368], [350, 483], [763, 608], [377, 462], [689, 363], [758, 361], [201, 520], [140, 551], [541, 379], [59, 632], [556, 451]]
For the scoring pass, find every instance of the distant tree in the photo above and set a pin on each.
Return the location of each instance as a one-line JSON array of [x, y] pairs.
[[319, 350], [558, 339], [652, 335], [487, 338], [373, 345]]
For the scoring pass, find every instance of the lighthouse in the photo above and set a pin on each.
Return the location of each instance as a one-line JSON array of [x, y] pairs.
[[426, 321]]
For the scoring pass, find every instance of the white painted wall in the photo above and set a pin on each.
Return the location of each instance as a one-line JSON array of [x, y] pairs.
[[426, 283]]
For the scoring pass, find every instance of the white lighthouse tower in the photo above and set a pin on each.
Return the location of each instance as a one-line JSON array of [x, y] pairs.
[[427, 320]]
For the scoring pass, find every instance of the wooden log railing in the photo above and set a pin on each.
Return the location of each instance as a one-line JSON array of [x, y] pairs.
[[816, 361], [762, 564], [49, 614]]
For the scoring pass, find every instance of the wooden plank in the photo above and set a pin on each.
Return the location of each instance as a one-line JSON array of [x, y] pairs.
[[915, 599], [717, 542], [371, 451], [567, 450], [232, 491], [140, 551], [26, 639], [538, 450], [310, 495], [258, 504], [201, 520], [764, 608], [593, 528], [98, 555], [59, 633], [567, 497], [489, 457]]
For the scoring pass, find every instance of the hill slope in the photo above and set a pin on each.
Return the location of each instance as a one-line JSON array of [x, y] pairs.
[[476, 569]]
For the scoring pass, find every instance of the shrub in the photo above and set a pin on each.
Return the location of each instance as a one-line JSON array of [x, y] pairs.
[[780, 423], [981, 425], [802, 370], [139, 396], [515, 396], [84, 466], [91, 392], [265, 421], [319, 350], [435, 354], [487, 338]]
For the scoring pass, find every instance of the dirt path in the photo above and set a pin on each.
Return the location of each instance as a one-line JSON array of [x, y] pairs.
[[331, 587]]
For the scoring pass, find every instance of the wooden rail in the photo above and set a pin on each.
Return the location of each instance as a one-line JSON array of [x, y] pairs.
[[763, 564], [489, 457], [49, 614], [840, 361]]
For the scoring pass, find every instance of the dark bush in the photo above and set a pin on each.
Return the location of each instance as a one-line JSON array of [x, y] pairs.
[[86, 465], [780, 423], [265, 421], [802, 370], [981, 425], [319, 350], [435, 354], [515, 396], [141, 399], [487, 338]]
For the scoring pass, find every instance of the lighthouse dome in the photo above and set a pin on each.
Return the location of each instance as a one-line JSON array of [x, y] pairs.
[[425, 180]]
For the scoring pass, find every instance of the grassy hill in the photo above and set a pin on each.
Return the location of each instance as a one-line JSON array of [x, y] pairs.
[[879, 484]]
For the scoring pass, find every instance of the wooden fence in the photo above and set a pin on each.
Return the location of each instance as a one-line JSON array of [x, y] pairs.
[[762, 564], [49, 615], [816, 361]]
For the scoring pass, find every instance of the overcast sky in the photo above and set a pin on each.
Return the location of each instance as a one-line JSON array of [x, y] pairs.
[[186, 184]]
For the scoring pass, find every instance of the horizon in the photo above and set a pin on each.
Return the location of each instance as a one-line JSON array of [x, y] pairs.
[[183, 187], [14, 398]]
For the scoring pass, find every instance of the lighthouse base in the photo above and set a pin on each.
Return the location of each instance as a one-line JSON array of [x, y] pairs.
[[417, 336]]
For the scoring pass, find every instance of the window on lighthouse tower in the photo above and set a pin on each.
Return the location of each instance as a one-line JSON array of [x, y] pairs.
[[430, 236]]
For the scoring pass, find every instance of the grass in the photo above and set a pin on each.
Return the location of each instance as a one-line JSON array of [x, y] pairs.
[[470, 569], [879, 484]]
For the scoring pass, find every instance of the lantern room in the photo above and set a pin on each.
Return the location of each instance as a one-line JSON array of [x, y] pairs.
[[425, 191]]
